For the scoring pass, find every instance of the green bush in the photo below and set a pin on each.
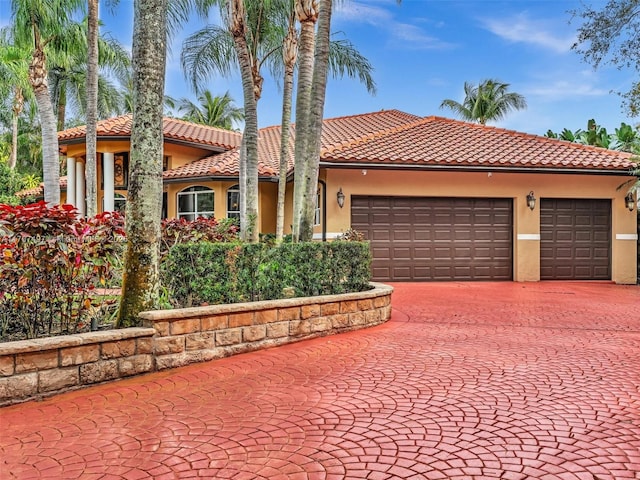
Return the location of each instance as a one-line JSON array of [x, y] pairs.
[[214, 273]]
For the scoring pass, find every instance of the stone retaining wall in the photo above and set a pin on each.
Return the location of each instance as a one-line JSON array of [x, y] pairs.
[[171, 338], [45, 366], [190, 335]]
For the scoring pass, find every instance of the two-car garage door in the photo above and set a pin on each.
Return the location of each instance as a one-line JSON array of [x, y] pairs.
[[441, 239], [435, 239]]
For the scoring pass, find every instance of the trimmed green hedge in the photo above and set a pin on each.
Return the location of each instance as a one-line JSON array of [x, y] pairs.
[[214, 273]]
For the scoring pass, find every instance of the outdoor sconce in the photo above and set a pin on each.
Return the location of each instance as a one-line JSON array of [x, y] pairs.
[[628, 201], [340, 197], [531, 200]]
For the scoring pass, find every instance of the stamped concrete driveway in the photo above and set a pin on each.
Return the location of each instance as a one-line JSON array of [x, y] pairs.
[[467, 381]]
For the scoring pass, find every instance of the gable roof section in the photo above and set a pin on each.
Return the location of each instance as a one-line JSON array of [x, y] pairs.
[[441, 142], [202, 136], [335, 132]]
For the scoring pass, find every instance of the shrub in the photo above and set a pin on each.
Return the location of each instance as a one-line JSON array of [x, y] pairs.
[[51, 261], [208, 273], [179, 230]]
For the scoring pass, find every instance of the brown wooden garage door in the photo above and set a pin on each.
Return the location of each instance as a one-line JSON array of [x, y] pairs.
[[575, 239], [435, 239]]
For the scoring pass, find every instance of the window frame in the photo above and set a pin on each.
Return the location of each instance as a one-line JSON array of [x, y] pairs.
[[195, 191]]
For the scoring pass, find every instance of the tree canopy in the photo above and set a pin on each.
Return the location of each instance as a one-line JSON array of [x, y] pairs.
[[611, 35], [488, 101]]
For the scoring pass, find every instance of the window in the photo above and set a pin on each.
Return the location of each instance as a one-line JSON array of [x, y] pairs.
[[119, 202], [233, 202], [194, 202], [316, 217]]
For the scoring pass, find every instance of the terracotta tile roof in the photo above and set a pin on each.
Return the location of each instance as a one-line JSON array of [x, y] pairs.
[[394, 137], [335, 131], [174, 129], [39, 190], [221, 165], [445, 142]]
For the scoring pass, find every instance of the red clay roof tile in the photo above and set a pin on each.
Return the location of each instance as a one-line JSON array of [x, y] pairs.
[[173, 128]]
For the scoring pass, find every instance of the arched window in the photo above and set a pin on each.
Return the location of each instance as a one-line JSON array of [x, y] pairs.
[[233, 202], [194, 202]]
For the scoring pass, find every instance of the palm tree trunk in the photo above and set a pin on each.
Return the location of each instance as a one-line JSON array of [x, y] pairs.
[[290, 52], [50, 160], [18, 103], [91, 177], [250, 231], [307, 16], [141, 280], [318, 93]]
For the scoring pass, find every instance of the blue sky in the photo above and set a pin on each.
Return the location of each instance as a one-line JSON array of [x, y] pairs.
[[424, 50]]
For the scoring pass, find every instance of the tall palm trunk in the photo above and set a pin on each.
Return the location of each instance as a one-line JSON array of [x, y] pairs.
[[91, 177], [61, 104], [141, 280], [318, 93], [307, 11], [251, 93], [50, 161], [18, 104], [290, 53]]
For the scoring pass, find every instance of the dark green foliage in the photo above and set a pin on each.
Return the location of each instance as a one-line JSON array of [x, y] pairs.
[[210, 273]]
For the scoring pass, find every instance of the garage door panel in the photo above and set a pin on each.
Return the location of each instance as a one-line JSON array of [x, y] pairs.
[[438, 238], [422, 235], [401, 234], [575, 239]]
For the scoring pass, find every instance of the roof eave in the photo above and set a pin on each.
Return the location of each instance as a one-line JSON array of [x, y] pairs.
[[478, 168]]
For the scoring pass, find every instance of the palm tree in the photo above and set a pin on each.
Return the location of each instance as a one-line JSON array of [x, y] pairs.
[[140, 285], [241, 42], [486, 102], [46, 26], [307, 11], [15, 85], [91, 135], [215, 111]]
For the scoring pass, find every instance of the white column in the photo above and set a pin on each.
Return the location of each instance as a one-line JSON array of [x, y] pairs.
[[107, 175], [80, 193], [71, 181]]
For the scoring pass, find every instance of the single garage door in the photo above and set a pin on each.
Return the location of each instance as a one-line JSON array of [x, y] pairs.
[[575, 239], [436, 239]]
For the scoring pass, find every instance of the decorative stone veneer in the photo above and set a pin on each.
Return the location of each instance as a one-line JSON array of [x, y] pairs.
[[190, 335], [45, 366], [32, 369]]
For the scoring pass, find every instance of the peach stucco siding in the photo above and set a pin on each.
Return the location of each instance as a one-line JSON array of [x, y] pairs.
[[526, 251]]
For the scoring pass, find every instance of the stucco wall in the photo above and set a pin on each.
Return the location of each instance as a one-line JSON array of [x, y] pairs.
[[498, 185]]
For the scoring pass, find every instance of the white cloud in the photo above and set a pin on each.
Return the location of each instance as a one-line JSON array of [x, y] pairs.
[[522, 29], [405, 35], [562, 89]]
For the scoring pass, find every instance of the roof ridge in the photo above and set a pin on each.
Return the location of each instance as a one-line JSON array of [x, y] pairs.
[[378, 112]]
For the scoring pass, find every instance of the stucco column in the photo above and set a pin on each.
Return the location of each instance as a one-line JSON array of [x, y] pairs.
[[108, 177], [71, 181], [80, 193]]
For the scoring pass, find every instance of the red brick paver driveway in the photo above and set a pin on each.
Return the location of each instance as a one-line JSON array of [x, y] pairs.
[[468, 381]]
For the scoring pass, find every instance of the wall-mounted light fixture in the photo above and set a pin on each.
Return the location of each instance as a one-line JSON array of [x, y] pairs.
[[628, 202], [340, 197], [531, 200]]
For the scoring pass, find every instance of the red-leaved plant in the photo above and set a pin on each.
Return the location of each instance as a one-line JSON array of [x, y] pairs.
[[51, 262]]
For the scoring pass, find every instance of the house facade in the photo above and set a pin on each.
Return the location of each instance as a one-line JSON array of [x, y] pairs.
[[439, 199]]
